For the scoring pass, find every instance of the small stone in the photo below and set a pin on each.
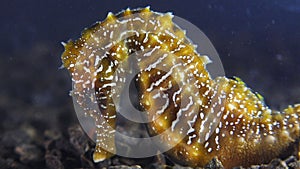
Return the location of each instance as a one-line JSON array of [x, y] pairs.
[[278, 164], [126, 161], [214, 164], [294, 165], [159, 166], [53, 160], [78, 139], [86, 162], [256, 167], [181, 167], [290, 159], [52, 134], [64, 144], [14, 138], [239, 167], [125, 167], [28, 153], [11, 164]]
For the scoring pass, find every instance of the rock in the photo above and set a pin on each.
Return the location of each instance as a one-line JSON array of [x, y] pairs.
[[125, 167], [278, 164], [52, 134], [292, 162], [53, 159], [78, 139], [11, 164], [214, 164], [14, 138], [29, 153], [181, 167]]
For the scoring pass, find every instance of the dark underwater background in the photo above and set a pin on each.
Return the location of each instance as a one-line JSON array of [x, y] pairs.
[[258, 41]]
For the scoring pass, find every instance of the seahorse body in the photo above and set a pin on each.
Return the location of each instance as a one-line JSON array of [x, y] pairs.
[[198, 116]]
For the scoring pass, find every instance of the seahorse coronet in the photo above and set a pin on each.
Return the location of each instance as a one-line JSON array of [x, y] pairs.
[[198, 116]]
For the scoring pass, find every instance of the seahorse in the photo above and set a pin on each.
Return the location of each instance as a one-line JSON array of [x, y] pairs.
[[197, 116]]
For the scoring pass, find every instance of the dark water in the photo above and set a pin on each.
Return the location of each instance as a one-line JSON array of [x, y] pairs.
[[258, 41]]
